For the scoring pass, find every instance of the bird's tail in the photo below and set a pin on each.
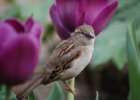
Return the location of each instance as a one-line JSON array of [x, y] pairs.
[[35, 83]]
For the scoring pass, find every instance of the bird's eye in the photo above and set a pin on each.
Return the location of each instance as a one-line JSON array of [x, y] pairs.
[[82, 33]]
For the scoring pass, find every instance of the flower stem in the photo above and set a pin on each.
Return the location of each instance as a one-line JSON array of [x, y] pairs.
[[8, 91], [70, 96]]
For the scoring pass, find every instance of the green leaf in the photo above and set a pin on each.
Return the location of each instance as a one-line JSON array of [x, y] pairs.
[[129, 96], [2, 95], [2, 88], [31, 96], [110, 45], [97, 96], [40, 11], [12, 10], [49, 30], [133, 55], [13, 96], [56, 93], [128, 10]]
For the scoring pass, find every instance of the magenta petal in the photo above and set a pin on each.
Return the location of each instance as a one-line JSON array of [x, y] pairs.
[[67, 10], [103, 18], [62, 32], [36, 30], [28, 24], [93, 8], [67, 15], [19, 59], [71, 12], [80, 12], [33, 27], [6, 33], [16, 24]]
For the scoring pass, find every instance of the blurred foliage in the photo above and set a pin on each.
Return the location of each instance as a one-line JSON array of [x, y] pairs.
[[110, 44], [39, 11], [32, 96], [56, 93], [49, 29], [133, 54], [97, 96], [3, 93], [2, 88]]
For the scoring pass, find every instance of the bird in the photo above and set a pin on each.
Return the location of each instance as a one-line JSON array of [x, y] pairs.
[[67, 60]]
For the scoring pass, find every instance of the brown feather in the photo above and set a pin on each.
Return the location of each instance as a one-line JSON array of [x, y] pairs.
[[64, 65]]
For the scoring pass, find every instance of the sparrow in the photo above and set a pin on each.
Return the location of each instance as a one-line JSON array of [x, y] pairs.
[[67, 60]]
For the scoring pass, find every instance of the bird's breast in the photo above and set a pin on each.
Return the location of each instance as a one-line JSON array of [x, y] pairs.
[[79, 64]]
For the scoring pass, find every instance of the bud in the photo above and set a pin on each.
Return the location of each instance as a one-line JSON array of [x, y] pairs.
[[19, 50]]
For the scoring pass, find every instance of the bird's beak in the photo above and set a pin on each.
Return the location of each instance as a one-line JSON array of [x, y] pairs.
[[90, 36]]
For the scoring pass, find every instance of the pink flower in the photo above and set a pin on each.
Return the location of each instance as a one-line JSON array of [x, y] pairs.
[[19, 50], [69, 14]]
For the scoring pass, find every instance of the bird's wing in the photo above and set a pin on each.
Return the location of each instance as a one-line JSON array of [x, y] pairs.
[[62, 59]]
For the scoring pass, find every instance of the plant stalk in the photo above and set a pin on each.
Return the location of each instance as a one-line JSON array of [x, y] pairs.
[[70, 96], [8, 91]]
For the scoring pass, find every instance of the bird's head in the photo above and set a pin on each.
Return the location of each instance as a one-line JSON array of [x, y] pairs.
[[84, 34]]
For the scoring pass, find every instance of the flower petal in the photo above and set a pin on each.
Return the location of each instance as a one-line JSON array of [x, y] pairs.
[[93, 8], [19, 59], [6, 33], [33, 27], [16, 24], [62, 32], [80, 12], [103, 18], [67, 10], [28, 24]]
